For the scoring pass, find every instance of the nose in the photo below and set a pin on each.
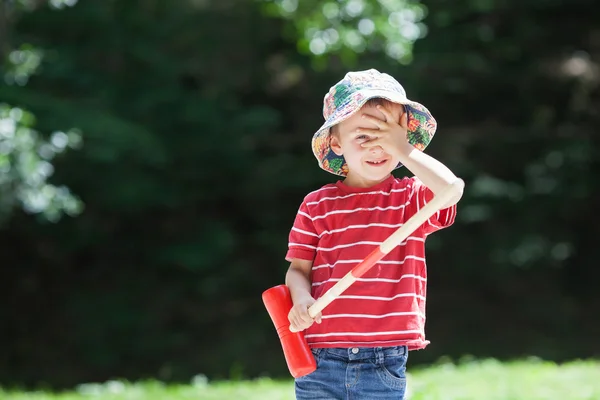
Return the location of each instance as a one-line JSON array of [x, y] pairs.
[[376, 150]]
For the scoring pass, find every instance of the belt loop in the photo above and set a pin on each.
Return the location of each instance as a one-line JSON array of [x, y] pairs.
[[379, 356]]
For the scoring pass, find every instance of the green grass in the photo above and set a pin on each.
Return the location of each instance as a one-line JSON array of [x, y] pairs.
[[481, 380], [492, 380]]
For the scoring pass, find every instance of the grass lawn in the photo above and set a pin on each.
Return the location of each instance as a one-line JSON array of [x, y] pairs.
[[481, 380]]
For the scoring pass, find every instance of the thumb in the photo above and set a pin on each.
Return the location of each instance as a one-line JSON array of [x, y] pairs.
[[318, 318]]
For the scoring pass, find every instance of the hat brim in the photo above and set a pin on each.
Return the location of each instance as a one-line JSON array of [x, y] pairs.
[[421, 127]]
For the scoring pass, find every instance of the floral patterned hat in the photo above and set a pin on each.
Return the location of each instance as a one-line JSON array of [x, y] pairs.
[[349, 95]]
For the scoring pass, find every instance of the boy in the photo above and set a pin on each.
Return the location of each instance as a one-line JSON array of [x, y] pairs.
[[361, 340]]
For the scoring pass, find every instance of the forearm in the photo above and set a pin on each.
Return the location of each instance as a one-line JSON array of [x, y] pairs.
[[435, 175], [299, 284]]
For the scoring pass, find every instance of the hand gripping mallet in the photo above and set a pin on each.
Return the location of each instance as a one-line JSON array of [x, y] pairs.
[[278, 301]]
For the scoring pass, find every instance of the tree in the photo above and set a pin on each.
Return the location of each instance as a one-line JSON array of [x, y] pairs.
[[25, 155]]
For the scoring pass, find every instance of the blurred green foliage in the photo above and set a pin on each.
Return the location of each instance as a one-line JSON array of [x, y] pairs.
[[347, 28], [25, 156], [191, 123], [25, 167]]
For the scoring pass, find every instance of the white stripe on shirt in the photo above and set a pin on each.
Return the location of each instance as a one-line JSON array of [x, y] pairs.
[[394, 262], [360, 209], [321, 190], [372, 343], [304, 232], [366, 242], [302, 245], [405, 276], [381, 298], [359, 227], [310, 203], [305, 215], [392, 314], [362, 333]]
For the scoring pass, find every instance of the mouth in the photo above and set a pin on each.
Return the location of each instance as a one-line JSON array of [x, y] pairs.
[[377, 163]]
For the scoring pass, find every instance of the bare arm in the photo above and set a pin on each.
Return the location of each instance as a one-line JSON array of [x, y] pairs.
[[435, 175], [391, 136], [298, 281]]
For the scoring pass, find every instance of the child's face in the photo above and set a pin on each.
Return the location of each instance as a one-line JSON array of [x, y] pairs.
[[367, 166]]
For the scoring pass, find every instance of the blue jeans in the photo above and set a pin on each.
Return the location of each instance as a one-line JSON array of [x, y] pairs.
[[356, 373]]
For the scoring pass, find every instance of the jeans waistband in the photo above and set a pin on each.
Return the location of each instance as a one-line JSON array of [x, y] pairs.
[[361, 353]]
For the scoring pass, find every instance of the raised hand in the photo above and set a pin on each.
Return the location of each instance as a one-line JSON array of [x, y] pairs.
[[390, 134]]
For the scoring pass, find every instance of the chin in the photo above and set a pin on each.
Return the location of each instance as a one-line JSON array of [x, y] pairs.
[[378, 176], [369, 173]]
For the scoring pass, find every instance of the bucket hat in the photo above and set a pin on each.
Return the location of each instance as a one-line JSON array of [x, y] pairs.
[[348, 96]]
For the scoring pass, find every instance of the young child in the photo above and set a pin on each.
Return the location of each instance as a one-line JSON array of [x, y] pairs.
[[361, 340]]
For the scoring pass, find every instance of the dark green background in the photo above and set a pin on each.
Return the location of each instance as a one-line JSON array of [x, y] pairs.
[[196, 118]]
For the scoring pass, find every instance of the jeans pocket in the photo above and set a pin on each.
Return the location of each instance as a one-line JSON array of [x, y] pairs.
[[392, 372], [316, 354]]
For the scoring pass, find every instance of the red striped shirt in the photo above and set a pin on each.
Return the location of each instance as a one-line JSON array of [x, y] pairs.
[[336, 227]]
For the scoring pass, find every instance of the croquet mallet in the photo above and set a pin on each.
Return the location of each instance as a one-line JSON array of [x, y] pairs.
[[278, 301]]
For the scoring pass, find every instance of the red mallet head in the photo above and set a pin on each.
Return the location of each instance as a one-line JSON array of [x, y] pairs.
[[299, 358]]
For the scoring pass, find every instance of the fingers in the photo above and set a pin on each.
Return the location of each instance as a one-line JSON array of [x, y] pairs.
[[318, 318], [294, 328], [372, 143], [300, 319], [295, 324], [386, 112], [304, 317], [371, 132], [375, 121]]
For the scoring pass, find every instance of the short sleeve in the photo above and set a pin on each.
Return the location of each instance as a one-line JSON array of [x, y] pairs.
[[303, 238], [419, 195]]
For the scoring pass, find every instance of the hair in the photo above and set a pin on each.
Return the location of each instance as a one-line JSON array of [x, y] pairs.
[[372, 102]]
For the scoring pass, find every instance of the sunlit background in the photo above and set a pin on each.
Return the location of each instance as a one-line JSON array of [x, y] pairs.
[[153, 154]]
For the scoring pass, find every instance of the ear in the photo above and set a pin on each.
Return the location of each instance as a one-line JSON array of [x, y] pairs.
[[404, 120], [402, 114], [335, 145]]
